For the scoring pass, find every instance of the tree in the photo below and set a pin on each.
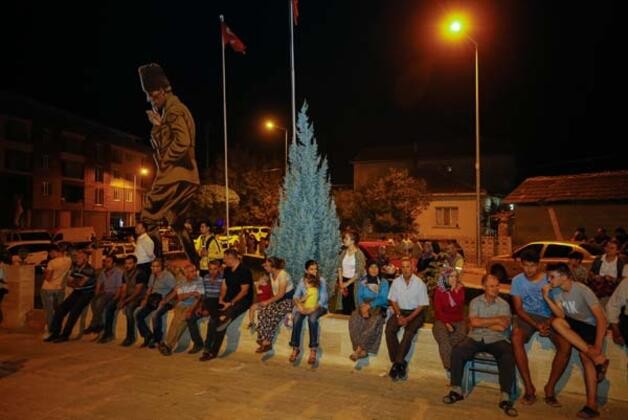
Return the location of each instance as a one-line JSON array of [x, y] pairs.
[[393, 202], [308, 226]]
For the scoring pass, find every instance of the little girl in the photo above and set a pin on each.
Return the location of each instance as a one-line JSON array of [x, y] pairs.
[[263, 291], [308, 302]]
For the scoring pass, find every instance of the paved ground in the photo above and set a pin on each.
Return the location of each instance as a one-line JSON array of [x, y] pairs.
[[81, 379]]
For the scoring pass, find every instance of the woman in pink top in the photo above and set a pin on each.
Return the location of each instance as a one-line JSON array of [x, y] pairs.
[[449, 325]]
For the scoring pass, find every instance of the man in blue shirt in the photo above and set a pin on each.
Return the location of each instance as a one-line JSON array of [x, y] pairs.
[[212, 284], [533, 314]]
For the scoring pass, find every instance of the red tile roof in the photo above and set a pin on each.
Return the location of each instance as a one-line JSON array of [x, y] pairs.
[[599, 186]]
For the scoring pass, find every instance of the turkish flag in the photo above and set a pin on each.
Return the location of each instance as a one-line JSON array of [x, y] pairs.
[[228, 37], [295, 11]]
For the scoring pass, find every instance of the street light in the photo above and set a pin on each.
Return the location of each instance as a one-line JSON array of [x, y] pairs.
[[270, 125], [455, 27], [143, 172]]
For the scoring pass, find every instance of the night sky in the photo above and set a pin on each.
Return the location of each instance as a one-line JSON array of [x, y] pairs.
[[374, 72]]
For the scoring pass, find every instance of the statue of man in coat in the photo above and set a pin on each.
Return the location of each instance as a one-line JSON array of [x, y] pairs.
[[176, 180]]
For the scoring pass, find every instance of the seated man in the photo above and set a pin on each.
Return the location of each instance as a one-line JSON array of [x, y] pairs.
[[489, 321], [617, 318], [212, 283], [160, 285], [236, 296], [107, 285], [408, 300], [188, 293], [82, 279], [534, 315], [133, 287], [581, 321]]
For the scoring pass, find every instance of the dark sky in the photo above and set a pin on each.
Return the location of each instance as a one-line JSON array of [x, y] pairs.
[[374, 72]]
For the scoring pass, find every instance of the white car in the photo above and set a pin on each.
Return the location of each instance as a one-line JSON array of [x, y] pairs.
[[36, 252], [19, 235]]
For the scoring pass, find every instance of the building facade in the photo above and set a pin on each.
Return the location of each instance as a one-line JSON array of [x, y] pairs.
[[61, 170]]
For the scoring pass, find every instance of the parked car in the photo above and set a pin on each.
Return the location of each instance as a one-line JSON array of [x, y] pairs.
[[370, 249], [75, 236], [19, 235], [35, 252], [505, 267], [119, 251], [235, 231]]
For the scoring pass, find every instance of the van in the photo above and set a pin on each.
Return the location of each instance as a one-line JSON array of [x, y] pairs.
[[76, 236], [21, 235]]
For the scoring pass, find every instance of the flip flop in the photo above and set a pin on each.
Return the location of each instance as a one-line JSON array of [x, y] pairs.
[[552, 401], [294, 356], [452, 397], [508, 408], [587, 413], [312, 359], [601, 370], [528, 399]]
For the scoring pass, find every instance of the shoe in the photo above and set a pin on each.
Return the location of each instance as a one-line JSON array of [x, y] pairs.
[[207, 356], [195, 349], [165, 350], [152, 344], [105, 339], [264, 348], [402, 374], [294, 355], [127, 342], [394, 372], [60, 339], [51, 338], [146, 342]]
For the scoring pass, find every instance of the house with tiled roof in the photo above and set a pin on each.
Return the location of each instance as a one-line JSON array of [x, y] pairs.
[[553, 207]]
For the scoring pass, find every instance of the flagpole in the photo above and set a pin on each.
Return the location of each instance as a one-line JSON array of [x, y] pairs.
[[224, 119], [294, 124]]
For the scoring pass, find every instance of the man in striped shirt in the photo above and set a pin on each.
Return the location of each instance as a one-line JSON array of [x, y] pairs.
[[212, 283], [82, 279]]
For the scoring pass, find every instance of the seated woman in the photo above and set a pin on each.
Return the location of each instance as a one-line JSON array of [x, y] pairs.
[[311, 300], [367, 321], [273, 310], [449, 327]]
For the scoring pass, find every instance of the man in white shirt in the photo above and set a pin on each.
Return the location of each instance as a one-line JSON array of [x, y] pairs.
[[408, 300], [607, 271], [53, 288], [144, 249]]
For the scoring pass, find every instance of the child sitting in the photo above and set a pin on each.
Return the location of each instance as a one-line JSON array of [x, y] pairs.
[[263, 291]]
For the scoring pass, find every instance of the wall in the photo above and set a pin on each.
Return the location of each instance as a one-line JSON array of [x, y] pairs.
[[466, 218]]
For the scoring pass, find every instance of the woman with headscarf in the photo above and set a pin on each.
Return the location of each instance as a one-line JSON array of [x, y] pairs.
[[367, 321], [449, 325]]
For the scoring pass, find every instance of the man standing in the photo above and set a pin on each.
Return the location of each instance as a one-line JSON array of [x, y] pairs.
[[83, 280], [53, 288], [207, 247], [408, 300], [188, 293], [108, 285], [144, 249], [607, 271], [131, 293], [533, 314], [236, 296], [212, 283], [454, 258], [616, 317], [176, 180], [489, 320], [581, 321]]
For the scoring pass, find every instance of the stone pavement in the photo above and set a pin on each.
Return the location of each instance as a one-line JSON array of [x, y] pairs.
[[81, 379]]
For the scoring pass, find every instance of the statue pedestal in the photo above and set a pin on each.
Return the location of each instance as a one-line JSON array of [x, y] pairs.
[[19, 301]]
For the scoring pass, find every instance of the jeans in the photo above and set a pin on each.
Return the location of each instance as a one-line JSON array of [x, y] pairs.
[[501, 350], [129, 312], [72, 306], [211, 306], [397, 351], [157, 317], [215, 338], [50, 300], [99, 304], [312, 324]]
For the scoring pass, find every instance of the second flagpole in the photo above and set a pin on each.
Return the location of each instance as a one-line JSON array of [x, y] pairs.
[[224, 118], [294, 124]]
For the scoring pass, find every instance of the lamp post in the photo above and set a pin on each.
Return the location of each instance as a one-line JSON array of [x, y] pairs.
[[143, 172], [457, 27], [270, 125]]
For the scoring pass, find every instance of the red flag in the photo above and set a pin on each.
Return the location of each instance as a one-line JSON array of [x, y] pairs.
[[228, 37], [295, 11]]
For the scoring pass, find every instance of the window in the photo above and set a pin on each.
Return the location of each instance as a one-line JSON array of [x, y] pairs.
[[117, 194], [115, 174], [129, 195], [532, 247], [98, 174], [116, 155], [99, 197], [71, 169], [447, 216], [128, 177], [72, 143], [17, 130], [100, 152], [557, 251], [17, 160], [71, 193], [46, 189], [45, 162], [128, 157]]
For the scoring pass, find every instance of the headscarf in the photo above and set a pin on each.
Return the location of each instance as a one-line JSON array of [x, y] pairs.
[[443, 284]]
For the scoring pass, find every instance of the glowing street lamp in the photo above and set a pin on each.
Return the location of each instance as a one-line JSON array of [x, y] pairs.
[[143, 172], [455, 28], [270, 125]]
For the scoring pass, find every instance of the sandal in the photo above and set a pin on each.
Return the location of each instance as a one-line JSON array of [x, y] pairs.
[[354, 357], [587, 413], [264, 348], [508, 408], [452, 397], [528, 399], [601, 370], [363, 355], [294, 355], [312, 359], [552, 401]]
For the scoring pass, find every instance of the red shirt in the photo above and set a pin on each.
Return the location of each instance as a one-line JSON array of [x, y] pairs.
[[444, 312], [265, 292]]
